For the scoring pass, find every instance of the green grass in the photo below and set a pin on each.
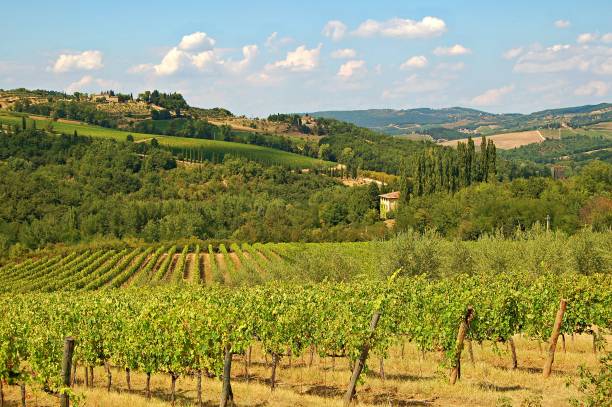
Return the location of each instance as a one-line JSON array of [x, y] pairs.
[[217, 148]]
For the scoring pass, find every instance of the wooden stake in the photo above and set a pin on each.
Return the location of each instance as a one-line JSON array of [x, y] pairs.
[[128, 378], [275, 359], [463, 328], [109, 377], [22, 387], [470, 351], [148, 385], [227, 396], [199, 388], [553, 339], [350, 391], [513, 350], [382, 368], [66, 370], [173, 377]]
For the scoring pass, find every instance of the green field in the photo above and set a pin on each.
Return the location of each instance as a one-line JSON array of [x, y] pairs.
[[217, 148]]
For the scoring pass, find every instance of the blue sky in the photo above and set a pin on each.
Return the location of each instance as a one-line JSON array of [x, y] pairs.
[[257, 58]]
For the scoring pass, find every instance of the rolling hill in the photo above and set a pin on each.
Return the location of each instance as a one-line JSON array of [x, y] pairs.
[[430, 121]]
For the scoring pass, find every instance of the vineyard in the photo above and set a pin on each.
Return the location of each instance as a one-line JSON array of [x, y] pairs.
[[187, 327]]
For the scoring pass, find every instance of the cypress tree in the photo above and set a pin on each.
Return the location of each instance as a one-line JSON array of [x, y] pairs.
[[23, 123]]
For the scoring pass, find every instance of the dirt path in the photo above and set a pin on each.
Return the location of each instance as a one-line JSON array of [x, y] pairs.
[[134, 276], [206, 269]]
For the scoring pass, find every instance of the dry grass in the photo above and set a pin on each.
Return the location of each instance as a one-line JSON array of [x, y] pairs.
[[410, 380], [505, 141]]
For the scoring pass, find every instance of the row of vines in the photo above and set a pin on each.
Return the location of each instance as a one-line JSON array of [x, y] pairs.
[[195, 330]]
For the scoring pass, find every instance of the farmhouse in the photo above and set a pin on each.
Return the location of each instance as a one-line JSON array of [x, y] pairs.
[[388, 203]]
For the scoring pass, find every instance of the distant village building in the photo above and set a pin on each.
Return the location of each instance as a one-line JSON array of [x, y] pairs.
[[557, 172], [388, 203], [105, 97]]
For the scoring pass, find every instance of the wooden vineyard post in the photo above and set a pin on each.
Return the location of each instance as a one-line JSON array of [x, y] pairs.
[[350, 392], [275, 359], [554, 336], [470, 351], [227, 396], [199, 388], [1, 394], [463, 328], [513, 350], [66, 370]]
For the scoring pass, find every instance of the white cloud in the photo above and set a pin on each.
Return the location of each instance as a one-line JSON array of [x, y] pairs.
[[454, 50], [513, 53], [196, 51], [344, 53], [402, 28], [88, 82], [450, 67], [562, 23], [172, 61], [300, 60], [249, 53], [565, 57], [492, 96], [140, 68], [585, 38], [593, 88], [198, 41], [334, 29], [274, 41], [352, 68], [607, 38], [418, 61], [86, 61], [414, 84]]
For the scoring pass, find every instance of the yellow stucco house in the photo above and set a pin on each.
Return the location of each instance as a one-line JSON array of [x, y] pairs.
[[388, 203]]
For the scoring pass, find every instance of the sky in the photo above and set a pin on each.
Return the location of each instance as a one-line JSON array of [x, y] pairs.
[[262, 57]]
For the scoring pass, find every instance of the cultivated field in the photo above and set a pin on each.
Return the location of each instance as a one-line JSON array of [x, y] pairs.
[[505, 141], [212, 147]]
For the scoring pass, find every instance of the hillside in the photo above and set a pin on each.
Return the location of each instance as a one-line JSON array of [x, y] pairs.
[[427, 121], [212, 147]]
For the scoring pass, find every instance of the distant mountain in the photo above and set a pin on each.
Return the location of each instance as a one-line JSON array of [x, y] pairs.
[[446, 123]]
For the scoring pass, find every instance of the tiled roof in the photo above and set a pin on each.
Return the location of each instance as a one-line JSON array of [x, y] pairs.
[[391, 195]]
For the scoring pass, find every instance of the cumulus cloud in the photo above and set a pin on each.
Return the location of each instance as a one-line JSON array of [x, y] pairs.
[[585, 38], [607, 38], [418, 61], [85, 61], [334, 29], [592, 88], [198, 41], [402, 28], [249, 53], [197, 51], [562, 23], [513, 53], [454, 50], [352, 68], [274, 41], [492, 96], [344, 53], [565, 57], [89, 82], [300, 60]]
